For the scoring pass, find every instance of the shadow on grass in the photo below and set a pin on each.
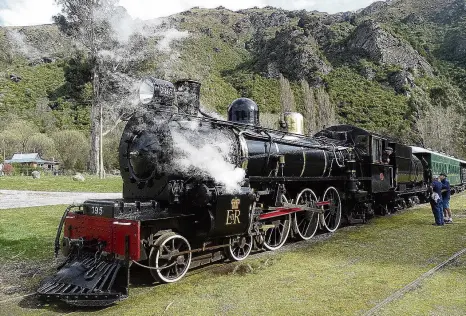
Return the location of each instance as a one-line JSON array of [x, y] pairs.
[[141, 278]]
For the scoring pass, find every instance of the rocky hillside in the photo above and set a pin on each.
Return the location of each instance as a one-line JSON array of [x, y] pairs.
[[395, 67]]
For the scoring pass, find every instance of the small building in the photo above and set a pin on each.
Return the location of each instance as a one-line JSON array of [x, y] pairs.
[[33, 161]]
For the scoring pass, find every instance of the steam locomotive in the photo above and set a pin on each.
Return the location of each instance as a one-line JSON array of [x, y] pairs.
[[197, 189]]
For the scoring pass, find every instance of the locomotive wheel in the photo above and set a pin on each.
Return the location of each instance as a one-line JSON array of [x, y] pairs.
[[239, 248], [167, 258], [305, 223], [332, 213], [275, 237]]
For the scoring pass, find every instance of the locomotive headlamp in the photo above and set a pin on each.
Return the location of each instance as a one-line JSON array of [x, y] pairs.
[[146, 91], [156, 92]]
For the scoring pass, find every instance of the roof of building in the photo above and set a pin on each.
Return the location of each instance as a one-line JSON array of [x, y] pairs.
[[28, 158]]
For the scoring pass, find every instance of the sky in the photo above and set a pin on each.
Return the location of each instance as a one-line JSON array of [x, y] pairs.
[[33, 12]]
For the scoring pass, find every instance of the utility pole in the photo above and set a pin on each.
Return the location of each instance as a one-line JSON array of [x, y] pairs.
[[101, 144], [4, 149]]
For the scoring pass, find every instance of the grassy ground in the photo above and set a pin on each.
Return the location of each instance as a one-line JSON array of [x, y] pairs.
[[28, 233], [346, 274], [62, 184]]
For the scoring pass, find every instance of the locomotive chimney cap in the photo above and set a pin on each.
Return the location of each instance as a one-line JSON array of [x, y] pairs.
[[186, 80]]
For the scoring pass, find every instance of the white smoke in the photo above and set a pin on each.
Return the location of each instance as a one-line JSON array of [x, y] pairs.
[[168, 37], [212, 114], [131, 46], [20, 43], [207, 157]]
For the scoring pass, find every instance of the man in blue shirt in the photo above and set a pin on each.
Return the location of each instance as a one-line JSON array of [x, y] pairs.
[[446, 192], [436, 201]]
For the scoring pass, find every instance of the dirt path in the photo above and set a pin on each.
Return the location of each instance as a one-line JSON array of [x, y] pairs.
[[15, 199]]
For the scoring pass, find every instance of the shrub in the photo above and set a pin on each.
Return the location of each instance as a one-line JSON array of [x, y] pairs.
[[8, 169]]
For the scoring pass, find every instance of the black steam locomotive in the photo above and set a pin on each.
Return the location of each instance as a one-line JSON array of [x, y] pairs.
[[197, 189]]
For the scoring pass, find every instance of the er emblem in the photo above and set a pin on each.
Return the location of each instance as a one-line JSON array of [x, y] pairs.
[[234, 213]]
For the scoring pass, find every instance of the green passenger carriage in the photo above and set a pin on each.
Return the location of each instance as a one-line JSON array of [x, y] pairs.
[[439, 163]]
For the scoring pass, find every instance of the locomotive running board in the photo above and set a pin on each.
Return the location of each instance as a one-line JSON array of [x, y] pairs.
[[81, 282], [289, 208]]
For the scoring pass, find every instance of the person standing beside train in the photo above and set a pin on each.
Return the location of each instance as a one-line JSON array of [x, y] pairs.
[[436, 201], [446, 192]]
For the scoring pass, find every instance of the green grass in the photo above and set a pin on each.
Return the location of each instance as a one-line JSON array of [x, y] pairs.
[[347, 274], [443, 294], [62, 184], [28, 233]]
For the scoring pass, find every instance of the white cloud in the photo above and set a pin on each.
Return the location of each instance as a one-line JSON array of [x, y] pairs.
[[27, 12], [31, 12]]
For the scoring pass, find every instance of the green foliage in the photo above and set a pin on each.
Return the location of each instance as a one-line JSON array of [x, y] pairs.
[[22, 97], [340, 32], [367, 104], [265, 92], [217, 94], [110, 150]]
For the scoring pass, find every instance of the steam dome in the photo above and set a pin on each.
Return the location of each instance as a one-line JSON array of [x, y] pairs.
[[244, 110]]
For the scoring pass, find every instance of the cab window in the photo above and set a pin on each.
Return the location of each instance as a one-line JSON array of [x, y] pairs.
[[376, 150], [362, 144]]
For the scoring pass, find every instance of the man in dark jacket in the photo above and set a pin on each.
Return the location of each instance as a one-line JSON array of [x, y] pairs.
[[436, 201], [446, 192]]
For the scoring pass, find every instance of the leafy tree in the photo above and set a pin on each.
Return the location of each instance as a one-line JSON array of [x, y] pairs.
[[9, 143], [15, 136], [72, 146], [42, 144]]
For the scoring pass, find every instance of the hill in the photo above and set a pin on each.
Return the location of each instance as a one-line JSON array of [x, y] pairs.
[[396, 67]]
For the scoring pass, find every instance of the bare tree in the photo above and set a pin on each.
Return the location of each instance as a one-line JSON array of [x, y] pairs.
[[269, 120], [439, 129], [108, 35], [286, 96], [85, 22], [326, 115], [309, 110]]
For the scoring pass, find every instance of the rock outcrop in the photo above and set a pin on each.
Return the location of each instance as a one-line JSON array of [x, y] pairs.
[[370, 40], [293, 54]]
